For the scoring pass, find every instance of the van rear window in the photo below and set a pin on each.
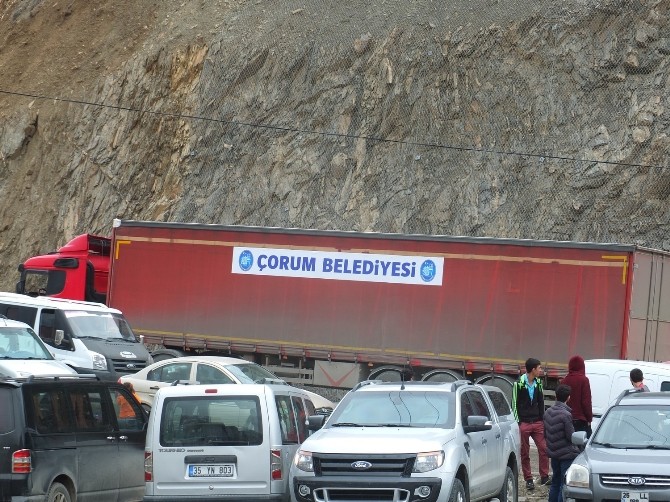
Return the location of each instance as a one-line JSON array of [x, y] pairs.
[[6, 410], [211, 421]]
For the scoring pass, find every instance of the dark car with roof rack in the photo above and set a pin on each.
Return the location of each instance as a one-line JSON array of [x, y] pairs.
[[67, 438]]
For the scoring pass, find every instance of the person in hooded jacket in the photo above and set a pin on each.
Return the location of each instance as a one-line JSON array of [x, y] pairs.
[[558, 430], [580, 395]]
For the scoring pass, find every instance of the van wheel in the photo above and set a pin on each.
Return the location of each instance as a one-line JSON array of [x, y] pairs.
[[457, 491], [508, 493], [58, 493]]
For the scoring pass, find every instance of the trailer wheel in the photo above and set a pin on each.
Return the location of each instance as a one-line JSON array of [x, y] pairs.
[[503, 382], [441, 376], [163, 354], [386, 374]]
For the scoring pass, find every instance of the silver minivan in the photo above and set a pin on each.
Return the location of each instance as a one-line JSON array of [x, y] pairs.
[[22, 353], [224, 442]]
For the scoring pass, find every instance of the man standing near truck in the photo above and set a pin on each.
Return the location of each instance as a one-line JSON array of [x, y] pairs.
[[637, 379], [580, 395], [559, 428], [528, 407]]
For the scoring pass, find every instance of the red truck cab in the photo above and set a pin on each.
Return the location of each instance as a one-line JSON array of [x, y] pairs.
[[79, 271]]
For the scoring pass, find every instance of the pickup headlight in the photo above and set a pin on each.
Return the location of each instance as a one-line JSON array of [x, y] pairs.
[[99, 361], [428, 461], [577, 476], [303, 461]]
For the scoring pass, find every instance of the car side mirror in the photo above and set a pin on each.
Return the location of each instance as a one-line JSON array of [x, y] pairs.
[[60, 335], [477, 423], [315, 422], [579, 438]]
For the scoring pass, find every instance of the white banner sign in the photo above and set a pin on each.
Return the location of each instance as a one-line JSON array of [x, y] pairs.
[[339, 266]]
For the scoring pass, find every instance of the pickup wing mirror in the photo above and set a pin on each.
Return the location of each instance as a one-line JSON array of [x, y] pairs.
[[315, 422], [579, 438], [477, 423]]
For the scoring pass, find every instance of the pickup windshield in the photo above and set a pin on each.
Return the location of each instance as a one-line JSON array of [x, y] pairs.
[[107, 326], [395, 409]]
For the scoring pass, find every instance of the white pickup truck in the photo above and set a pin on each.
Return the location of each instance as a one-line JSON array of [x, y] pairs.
[[411, 442]]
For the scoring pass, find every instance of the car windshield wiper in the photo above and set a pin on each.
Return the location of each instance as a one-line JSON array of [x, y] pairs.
[[348, 424], [649, 447], [23, 358], [393, 425], [90, 337], [607, 445]]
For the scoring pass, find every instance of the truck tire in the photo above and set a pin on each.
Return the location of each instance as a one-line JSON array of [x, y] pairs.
[[457, 492], [508, 493], [503, 382], [441, 376], [386, 374], [58, 493], [163, 354]]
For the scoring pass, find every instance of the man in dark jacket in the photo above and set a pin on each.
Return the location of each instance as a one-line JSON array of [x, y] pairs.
[[528, 408], [580, 394], [558, 431]]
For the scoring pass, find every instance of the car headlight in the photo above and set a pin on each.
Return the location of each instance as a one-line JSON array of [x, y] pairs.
[[428, 461], [303, 461], [99, 361], [578, 476]]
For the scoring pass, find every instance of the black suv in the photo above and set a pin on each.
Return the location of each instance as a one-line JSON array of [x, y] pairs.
[[65, 438]]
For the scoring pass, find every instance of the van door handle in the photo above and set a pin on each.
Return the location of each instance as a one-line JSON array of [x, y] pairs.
[[154, 388], [484, 441]]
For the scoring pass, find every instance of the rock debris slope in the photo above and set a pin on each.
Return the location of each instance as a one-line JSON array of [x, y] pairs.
[[483, 117]]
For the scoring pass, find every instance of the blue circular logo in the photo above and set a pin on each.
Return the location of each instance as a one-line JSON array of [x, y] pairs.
[[428, 270], [246, 260]]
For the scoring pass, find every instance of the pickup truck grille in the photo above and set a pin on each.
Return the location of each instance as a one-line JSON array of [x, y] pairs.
[[622, 481], [128, 366], [379, 465]]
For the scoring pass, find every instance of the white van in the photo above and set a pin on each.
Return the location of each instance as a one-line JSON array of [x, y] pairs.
[[89, 337], [23, 354], [610, 377], [216, 442]]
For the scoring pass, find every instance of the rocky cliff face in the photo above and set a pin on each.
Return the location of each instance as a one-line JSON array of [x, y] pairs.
[[482, 117]]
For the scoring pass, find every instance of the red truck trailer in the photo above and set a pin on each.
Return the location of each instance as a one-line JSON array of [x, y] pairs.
[[335, 307]]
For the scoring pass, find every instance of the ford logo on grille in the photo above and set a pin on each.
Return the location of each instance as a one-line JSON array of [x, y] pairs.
[[130, 366], [361, 465], [636, 480]]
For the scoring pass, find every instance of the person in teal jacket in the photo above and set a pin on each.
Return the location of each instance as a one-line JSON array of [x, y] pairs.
[[528, 408]]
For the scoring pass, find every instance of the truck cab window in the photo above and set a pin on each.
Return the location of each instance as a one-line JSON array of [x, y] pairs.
[[42, 282]]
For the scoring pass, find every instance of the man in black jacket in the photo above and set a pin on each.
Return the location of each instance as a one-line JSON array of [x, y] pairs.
[[558, 429], [528, 408]]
